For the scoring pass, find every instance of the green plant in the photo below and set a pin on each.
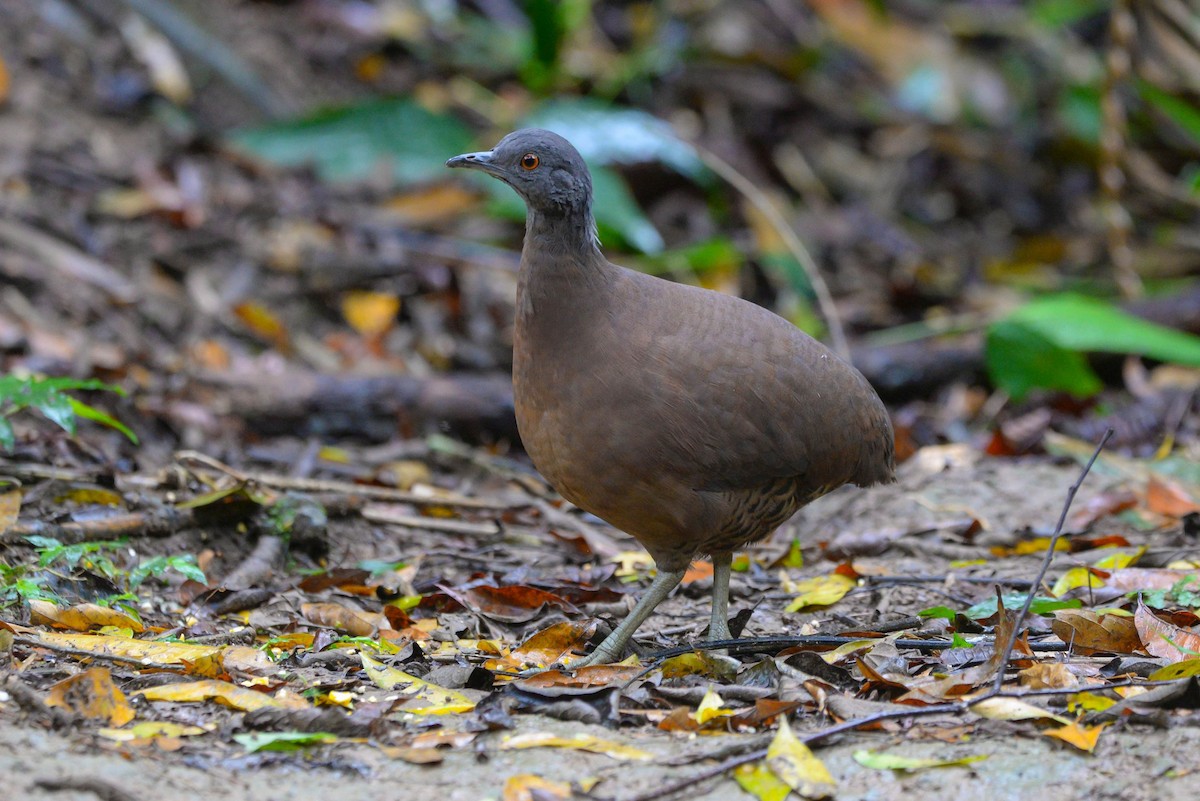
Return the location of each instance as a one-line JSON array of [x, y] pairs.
[[1042, 345], [48, 396], [25, 583]]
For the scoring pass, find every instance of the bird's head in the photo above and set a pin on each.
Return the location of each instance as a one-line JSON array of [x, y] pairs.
[[545, 169]]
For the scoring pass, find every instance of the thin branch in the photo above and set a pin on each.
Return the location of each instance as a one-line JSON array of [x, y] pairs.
[[764, 205], [998, 682]]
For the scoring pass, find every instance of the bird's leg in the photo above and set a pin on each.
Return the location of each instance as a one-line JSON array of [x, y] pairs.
[[718, 627], [610, 650]]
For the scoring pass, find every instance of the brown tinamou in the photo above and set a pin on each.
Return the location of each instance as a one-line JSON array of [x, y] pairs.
[[695, 421]]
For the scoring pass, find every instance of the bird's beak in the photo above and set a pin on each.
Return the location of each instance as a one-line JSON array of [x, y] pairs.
[[475, 161]]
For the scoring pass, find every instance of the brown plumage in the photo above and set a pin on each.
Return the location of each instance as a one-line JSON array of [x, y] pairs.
[[694, 421]]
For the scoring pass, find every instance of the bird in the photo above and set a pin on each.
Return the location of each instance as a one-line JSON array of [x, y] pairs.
[[693, 420]]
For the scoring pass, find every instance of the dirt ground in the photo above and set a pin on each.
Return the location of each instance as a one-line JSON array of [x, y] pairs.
[[1133, 760]]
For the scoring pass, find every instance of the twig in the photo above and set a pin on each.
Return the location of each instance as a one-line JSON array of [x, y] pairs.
[[765, 207], [66, 650], [769, 644], [72, 263], [998, 682], [320, 485]]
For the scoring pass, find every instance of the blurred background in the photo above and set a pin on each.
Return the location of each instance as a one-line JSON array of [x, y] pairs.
[[238, 210]]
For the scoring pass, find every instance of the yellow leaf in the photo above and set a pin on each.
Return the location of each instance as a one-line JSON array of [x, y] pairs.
[[797, 766], [10, 504], [528, 787], [431, 699], [81, 617], [1082, 737], [818, 591], [1179, 670], [711, 706], [150, 729], [1012, 709], [222, 692], [92, 694], [578, 742], [846, 649], [370, 313], [1089, 702], [758, 780], [880, 761]]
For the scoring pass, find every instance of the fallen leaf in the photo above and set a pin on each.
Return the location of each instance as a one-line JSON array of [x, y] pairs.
[[1089, 631], [530, 787], [711, 706], [354, 622], [149, 731], [81, 617], [577, 742], [1169, 498], [426, 698], [370, 313], [881, 761], [93, 695], [10, 508], [758, 780], [1047, 676], [283, 740], [1013, 709], [224, 692], [818, 591], [1082, 737], [797, 766], [1163, 639], [1178, 670]]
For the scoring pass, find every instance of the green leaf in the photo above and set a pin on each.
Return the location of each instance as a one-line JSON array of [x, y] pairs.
[[283, 740], [1180, 111], [1041, 344], [1055, 14], [8, 437], [937, 612], [605, 135], [350, 143], [1041, 605], [96, 416], [1019, 360]]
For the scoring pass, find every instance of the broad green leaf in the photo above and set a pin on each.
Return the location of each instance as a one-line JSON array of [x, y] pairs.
[[8, 437], [350, 143], [1042, 343], [1020, 360], [606, 135]]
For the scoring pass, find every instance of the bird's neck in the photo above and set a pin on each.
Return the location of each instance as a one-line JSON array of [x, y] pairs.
[[563, 274]]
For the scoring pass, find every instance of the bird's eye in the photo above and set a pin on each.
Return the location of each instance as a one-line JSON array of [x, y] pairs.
[[530, 161]]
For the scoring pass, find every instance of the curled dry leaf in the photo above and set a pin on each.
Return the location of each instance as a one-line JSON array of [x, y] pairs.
[[1163, 639], [1089, 632]]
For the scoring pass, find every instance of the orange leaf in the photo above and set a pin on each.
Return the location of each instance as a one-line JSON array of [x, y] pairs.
[[1082, 737], [1169, 498], [92, 694]]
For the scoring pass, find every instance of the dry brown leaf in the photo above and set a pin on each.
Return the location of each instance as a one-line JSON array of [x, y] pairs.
[[1089, 632], [1047, 676], [529, 787], [355, 622], [1163, 639], [93, 695]]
